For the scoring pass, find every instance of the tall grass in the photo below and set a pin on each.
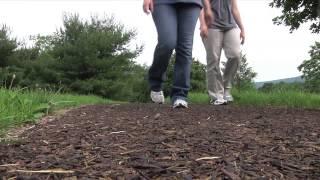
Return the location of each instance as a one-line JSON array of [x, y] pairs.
[[198, 98], [23, 106], [297, 99]]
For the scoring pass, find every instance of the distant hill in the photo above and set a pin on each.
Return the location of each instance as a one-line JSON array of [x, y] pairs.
[[286, 80]]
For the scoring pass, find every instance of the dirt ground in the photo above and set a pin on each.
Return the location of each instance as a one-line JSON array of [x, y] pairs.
[[150, 141]]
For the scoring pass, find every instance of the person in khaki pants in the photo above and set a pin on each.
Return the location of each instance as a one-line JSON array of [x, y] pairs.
[[225, 32]]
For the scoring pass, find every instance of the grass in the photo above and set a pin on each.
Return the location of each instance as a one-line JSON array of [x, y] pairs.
[[23, 106], [293, 99], [198, 98]]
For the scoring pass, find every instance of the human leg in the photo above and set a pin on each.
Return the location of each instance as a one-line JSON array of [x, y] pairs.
[[165, 19], [213, 46], [231, 46], [187, 18]]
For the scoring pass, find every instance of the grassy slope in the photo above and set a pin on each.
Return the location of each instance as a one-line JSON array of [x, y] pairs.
[[22, 106]]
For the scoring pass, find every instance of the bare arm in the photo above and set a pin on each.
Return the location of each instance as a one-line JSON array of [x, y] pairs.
[[207, 12], [202, 19], [206, 4], [203, 25], [237, 17], [206, 18], [236, 14], [148, 6]]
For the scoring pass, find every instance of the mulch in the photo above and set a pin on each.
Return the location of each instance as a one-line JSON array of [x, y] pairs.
[[150, 141]]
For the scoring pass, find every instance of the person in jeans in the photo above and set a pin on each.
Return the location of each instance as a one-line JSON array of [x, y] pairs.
[[225, 32], [175, 21]]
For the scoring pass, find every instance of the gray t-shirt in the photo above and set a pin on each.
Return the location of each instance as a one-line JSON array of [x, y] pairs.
[[223, 18], [198, 2]]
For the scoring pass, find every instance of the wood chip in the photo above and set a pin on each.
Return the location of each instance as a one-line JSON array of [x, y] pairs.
[[169, 145], [9, 165], [157, 116], [230, 174], [118, 132], [54, 171], [129, 152], [208, 158]]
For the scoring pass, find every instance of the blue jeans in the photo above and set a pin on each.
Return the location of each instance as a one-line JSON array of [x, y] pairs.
[[175, 24]]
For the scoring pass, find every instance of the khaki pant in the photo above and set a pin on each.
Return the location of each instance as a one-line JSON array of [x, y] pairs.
[[217, 40]]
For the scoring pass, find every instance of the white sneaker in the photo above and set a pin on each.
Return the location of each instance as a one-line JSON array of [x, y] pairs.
[[180, 103], [219, 102], [157, 97], [227, 96]]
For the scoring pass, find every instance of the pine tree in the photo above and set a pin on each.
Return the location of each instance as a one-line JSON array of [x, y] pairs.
[[311, 69]]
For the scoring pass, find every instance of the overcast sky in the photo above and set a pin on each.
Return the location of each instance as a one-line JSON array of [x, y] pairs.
[[271, 50]]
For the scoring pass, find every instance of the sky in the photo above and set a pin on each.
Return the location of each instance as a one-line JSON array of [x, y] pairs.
[[272, 51]]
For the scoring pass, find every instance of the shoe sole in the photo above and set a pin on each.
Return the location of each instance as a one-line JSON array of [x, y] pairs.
[[220, 104], [228, 99], [158, 102], [180, 106]]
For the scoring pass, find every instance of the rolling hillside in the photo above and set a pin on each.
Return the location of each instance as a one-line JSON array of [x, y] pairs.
[[286, 80]]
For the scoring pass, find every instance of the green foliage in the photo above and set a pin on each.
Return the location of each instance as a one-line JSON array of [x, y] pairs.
[[7, 46], [18, 62], [86, 57], [5, 76], [198, 77], [43, 43], [243, 79], [267, 87], [31, 69], [23, 106], [290, 98], [282, 87], [93, 48], [245, 75], [311, 69], [139, 84], [297, 12], [198, 98], [93, 56]]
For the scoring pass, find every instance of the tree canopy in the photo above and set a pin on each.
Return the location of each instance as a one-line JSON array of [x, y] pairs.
[[311, 69], [297, 12], [7, 45]]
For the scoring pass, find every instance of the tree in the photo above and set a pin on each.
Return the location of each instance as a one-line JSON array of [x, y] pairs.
[[93, 56], [267, 87], [245, 75], [271, 87], [198, 76], [311, 69], [297, 12], [7, 46]]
